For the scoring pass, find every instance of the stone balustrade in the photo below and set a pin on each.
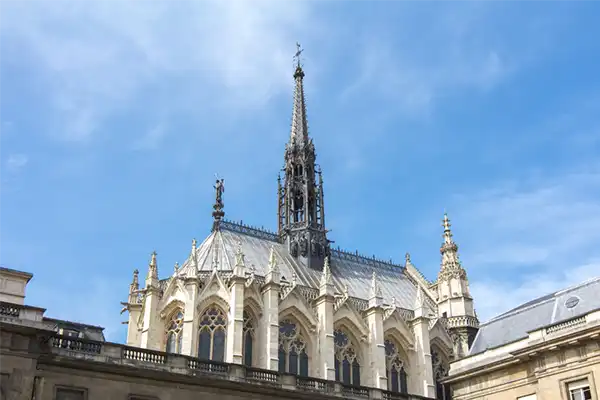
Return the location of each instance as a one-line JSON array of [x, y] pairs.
[[113, 353]]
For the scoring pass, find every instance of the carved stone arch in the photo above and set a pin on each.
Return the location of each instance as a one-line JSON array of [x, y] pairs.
[[355, 334], [300, 310], [442, 351], [254, 307], [404, 333], [213, 300], [347, 313], [307, 325], [398, 337], [304, 331], [440, 337], [171, 307]]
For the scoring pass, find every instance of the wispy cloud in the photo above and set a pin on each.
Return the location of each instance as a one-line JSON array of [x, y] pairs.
[[16, 162], [418, 67], [121, 49], [531, 237]]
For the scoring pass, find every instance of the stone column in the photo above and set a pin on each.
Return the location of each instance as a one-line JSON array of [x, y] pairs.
[[235, 325], [424, 369], [270, 317], [152, 329], [189, 342], [376, 338], [325, 346]]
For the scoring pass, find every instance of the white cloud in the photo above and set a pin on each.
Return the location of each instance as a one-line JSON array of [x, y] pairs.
[[97, 56], [527, 238], [16, 162]]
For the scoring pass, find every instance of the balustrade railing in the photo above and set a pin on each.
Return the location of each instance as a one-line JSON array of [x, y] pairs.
[[76, 344], [10, 310], [145, 358]]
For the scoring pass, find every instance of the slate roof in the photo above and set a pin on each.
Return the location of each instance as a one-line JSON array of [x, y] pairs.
[[544, 311], [348, 269]]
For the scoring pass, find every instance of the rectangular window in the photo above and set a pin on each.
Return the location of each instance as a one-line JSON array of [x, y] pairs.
[[579, 390], [63, 393], [528, 397]]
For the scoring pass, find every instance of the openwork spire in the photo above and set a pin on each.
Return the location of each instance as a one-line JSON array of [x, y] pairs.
[[299, 132], [451, 267], [301, 212]]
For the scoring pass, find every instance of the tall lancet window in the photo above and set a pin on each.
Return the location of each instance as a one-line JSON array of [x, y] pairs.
[[248, 339], [347, 366], [395, 369], [213, 326], [293, 356], [440, 370], [174, 332]]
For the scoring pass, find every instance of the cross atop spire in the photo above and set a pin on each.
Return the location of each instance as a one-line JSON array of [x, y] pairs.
[[299, 51]]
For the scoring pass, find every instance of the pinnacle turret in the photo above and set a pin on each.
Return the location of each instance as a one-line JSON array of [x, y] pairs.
[[152, 277], [451, 266]]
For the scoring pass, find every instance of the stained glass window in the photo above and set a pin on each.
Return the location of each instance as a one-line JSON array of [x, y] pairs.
[[174, 334], [347, 366], [395, 368], [440, 370], [293, 356], [213, 327], [248, 339]]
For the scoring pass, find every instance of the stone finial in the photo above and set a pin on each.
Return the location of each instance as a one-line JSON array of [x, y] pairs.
[[393, 302], [346, 293], [153, 266], [375, 288], [326, 273], [135, 283], [294, 279], [239, 255], [420, 304], [194, 245], [407, 258], [273, 260], [176, 267]]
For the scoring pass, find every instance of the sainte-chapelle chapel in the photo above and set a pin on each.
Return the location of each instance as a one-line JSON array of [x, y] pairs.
[[288, 301]]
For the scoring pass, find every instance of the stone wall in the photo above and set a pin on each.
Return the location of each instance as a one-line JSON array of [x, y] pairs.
[[36, 363]]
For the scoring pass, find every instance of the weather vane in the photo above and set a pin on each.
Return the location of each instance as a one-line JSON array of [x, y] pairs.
[[299, 51]]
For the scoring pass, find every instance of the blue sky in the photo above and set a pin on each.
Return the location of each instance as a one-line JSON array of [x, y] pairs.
[[116, 116]]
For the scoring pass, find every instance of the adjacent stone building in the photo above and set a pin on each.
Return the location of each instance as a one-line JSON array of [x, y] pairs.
[[546, 349]]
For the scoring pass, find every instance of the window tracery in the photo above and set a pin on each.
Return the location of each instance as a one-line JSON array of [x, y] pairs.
[[293, 356], [347, 366], [174, 333], [248, 338], [395, 368], [213, 327], [440, 370]]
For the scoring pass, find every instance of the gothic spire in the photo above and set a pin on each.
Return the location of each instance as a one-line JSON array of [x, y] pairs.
[[299, 131], [300, 195]]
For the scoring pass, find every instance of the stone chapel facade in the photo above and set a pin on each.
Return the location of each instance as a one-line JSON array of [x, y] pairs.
[[287, 301]]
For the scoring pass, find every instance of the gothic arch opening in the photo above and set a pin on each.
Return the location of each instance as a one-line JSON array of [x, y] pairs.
[[174, 332], [293, 348], [441, 365], [396, 366], [249, 338], [347, 356], [212, 331]]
